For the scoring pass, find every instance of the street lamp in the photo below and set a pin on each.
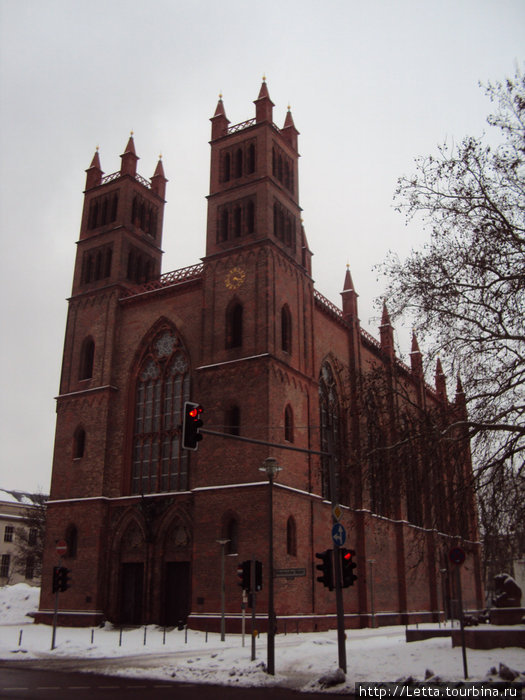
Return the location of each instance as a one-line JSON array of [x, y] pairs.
[[271, 469], [223, 543]]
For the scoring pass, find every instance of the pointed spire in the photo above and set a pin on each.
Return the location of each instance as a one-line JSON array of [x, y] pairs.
[[263, 92], [289, 131], [349, 284], [441, 382], [94, 172], [460, 400], [416, 359], [386, 333], [263, 104], [158, 181], [385, 317], [349, 296], [129, 158], [219, 121]]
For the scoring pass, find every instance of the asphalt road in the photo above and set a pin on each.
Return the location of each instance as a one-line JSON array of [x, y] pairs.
[[57, 685]]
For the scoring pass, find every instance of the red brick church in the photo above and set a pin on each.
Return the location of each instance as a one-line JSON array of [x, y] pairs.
[[246, 334]]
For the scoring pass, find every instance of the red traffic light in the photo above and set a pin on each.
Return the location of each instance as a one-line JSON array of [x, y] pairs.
[[195, 411], [347, 555]]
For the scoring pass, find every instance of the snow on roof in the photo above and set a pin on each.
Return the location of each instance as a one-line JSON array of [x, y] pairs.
[[20, 497]]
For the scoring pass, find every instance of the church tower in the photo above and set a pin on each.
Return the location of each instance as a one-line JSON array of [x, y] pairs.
[[258, 290]]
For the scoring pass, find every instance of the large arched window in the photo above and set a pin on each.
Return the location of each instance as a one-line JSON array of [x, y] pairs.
[[330, 417], [159, 463], [234, 326], [87, 357]]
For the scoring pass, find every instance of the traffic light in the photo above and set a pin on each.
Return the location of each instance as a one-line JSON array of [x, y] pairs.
[[61, 580], [347, 567], [327, 579], [258, 575], [191, 424], [56, 570], [243, 572]]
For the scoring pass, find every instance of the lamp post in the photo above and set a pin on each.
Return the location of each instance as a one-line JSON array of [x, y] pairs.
[[271, 469], [223, 543]]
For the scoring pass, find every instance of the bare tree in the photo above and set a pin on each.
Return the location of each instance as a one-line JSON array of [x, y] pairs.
[[464, 290]]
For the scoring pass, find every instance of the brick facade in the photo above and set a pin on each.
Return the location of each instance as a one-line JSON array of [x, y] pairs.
[[246, 335]]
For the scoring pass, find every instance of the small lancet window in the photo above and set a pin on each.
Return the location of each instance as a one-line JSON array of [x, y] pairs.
[[250, 165], [286, 329], [87, 357], [238, 162], [233, 420], [288, 424], [79, 443], [226, 165], [72, 541], [231, 533], [291, 537], [250, 217], [234, 326]]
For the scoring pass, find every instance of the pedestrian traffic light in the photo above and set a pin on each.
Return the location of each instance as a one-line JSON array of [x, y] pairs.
[[347, 567], [327, 579], [243, 572], [191, 425], [258, 575]]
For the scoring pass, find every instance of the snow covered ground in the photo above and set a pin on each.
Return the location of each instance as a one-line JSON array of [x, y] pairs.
[[300, 660]]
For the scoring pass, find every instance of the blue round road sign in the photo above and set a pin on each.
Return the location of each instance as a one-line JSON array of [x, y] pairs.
[[338, 534]]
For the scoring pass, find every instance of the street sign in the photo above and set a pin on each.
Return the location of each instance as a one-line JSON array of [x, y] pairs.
[[457, 555], [61, 548], [289, 573], [338, 535], [337, 512]]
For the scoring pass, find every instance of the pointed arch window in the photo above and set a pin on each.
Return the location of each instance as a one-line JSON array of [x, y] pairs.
[[79, 443], [87, 357], [250, 217], [250, 165], [233, 420], [226, 167], [238, 162], [231, 533], [71, 541], [288, 424], [159, 463], [286, 329], [234, 328], [330, 421], [291, 537], [237, 222]]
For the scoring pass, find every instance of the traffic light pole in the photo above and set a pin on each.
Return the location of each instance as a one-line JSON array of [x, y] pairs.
[[55, 614], [341, 645]]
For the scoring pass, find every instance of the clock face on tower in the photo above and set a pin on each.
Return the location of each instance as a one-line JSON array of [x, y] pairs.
[[235, 278]]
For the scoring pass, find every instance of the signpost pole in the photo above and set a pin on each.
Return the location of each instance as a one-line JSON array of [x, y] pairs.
[[61, 549]]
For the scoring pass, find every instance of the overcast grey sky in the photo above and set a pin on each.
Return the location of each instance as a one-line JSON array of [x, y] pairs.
[[372, 84]]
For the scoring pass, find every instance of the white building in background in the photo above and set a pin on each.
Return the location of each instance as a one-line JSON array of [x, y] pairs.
[[18, 527]]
